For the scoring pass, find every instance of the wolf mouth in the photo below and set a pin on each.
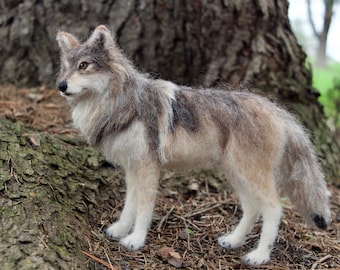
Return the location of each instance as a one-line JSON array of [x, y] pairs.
[[67, 94]]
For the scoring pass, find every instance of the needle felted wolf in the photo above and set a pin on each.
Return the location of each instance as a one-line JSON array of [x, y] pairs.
[[144, 125]]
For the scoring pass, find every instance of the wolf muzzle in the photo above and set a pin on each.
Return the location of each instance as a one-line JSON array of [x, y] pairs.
[[62, 86]]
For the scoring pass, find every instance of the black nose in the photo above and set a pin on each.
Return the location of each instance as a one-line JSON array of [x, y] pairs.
[[62, 86]]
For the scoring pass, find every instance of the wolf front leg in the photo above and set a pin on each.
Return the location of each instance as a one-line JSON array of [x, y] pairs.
[[123, 226], [147, 177]]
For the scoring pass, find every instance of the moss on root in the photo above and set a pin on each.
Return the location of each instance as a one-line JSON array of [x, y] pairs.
[[49, 189]]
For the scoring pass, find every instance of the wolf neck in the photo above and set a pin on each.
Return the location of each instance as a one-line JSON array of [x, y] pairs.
[[86, 115], [136, 98]]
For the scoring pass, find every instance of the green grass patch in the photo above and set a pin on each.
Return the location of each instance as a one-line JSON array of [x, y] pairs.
[[323, 79], [327, 81]]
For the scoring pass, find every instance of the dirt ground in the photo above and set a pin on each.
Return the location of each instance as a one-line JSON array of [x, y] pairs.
[[189, 215]]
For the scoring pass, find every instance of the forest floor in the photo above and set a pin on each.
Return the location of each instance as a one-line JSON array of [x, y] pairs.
[[189, 215]]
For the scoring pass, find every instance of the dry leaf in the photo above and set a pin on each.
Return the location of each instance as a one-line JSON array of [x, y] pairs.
[[171, 256], [164, 252]]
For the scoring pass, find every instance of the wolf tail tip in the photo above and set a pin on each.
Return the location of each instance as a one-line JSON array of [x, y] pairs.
[[320, 222]]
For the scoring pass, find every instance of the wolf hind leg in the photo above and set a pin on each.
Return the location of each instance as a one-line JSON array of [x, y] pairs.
[[267, 201], [258, 195], [148, 177], [237, 237], [271, 220], [123, 226]]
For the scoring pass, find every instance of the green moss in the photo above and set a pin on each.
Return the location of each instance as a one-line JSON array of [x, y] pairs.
[[44, 183]]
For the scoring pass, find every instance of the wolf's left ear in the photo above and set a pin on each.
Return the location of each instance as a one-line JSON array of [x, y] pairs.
[[101, 37], [66, 41]]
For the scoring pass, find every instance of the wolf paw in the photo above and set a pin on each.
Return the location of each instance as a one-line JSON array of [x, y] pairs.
[[133, 241], [117, 230], [256, 257], [230, 241]]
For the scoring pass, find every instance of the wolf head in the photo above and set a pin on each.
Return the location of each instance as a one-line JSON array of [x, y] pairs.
[[90, 68]]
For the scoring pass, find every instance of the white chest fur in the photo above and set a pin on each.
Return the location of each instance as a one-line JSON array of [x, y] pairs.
[[84, 116], [126, 147]]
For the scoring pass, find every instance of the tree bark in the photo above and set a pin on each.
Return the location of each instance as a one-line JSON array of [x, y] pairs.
[[201, 42], [52, 192]]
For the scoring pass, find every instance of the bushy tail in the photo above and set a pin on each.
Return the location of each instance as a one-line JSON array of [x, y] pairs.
[[302, 178]]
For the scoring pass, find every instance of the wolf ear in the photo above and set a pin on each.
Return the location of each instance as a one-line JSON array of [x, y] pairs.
[[101, 37], [66, 41]]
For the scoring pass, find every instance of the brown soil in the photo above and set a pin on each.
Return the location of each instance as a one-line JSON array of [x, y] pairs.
[[189, 215]]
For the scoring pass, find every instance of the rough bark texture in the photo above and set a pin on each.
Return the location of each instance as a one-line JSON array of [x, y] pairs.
[[202, 42], [51, 191]]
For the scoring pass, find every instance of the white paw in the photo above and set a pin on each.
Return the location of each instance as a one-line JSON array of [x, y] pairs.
[[230, 241], [256, 257], [117, 230], [133, 241]]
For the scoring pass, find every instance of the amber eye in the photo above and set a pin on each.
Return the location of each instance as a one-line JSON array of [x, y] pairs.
[[83, 65]]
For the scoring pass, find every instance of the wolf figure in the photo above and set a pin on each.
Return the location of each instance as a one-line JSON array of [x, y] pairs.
[[145, 125]]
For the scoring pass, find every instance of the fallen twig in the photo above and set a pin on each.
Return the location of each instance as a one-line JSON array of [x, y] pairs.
[[102, 262], [320, 261]]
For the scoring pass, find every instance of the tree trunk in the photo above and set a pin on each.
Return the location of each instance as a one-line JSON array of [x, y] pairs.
[[45, 179], [321, 36], [201, 42], [190, 42]]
